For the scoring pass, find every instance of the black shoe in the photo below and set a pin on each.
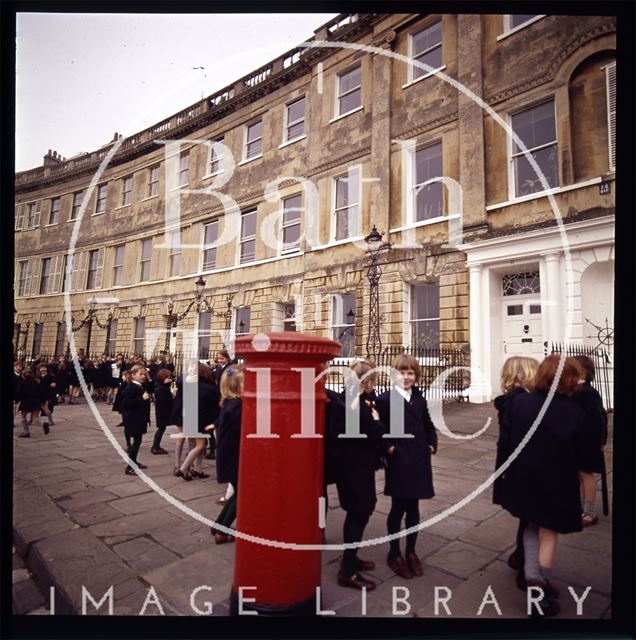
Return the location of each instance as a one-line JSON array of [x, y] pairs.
[[45, 428], [549, 609], [356, 581], [24, 435], [130, 471]]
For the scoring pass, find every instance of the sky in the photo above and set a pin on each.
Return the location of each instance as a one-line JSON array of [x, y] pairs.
[[82, 77]]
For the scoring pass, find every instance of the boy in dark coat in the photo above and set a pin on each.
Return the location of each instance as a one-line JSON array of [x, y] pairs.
[[135, 408], [49, 393], [31, 399], [163, 408], [17, 377], [409, 474], [355, 464]]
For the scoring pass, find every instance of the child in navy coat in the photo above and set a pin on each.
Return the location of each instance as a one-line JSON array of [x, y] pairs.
[[409, 474]]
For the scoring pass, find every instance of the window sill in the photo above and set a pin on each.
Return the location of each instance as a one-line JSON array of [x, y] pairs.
[[286, 144], [97, 213], [335, 243], [150, 197], [504, 35], [50, 224], [247, 160], [181, 186], [344, 115], [250, 264], [122, 206], [544, 194], [428, 75], [213, 175], [424, 223]]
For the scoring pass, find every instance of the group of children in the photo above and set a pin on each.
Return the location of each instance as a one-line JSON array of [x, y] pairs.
[[549, 484]]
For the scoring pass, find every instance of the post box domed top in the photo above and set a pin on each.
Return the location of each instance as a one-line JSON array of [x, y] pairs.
[[287, 344]]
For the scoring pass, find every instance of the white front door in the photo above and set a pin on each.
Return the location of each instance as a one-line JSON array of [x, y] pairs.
[[522, 332]]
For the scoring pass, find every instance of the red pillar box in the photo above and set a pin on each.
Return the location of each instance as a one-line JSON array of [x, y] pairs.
[[280, 474]]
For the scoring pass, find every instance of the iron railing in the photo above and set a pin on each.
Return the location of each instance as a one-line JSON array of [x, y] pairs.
[[604, 371]]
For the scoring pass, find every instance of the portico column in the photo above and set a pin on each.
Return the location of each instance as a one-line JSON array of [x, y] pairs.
[[552, 296], [477, 391]]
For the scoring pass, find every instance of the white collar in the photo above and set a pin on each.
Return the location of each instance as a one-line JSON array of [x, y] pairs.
[[404, 393], [137, 382]]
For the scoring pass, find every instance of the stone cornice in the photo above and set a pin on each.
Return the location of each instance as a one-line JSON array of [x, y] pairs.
[[557, 61], [353, 155], [427, 126]]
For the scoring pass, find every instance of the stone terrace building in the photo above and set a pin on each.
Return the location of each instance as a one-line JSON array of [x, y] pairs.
[[317, 147]]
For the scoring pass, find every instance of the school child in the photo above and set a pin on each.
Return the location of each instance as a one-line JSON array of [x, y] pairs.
[[543, 480], [135, 409], [589, 399], [355, 461], [17, 378], [228, 432], [31, 399], [114, 378], [163, 408], [49, 393], [409, 474], [517, 377], [208, 411], [125, 380]]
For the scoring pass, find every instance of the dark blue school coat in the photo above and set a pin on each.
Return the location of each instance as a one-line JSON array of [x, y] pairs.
[[543, 482], [409, 473]]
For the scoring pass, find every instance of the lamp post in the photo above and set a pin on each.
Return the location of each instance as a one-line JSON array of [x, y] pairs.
[[201, 305], [25, 333], [374, 273], [88, 320]]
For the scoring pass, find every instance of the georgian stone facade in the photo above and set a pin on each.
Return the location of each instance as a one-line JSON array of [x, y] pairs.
[[386, 128]]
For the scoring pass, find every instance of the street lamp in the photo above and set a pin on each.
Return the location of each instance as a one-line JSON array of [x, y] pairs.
[[374, 273], [201, 305]]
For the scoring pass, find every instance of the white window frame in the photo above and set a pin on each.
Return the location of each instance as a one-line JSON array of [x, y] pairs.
[[126, 194], [413, 321], [77, 206], [60, 338], [33, 213], [338, 95], [25, 275], [335, 328], [287, 124], [52, 210], [101, 195], [296, 248], [237, 319], [411, 69], [220, 161], [610, 77], [174, 254], [139, 322], [153, 191], [411, 187], [247, 142], [508, 30], [249, 238], [183, 176], [352, 170], [214, 222], [204, 335], [118, 269], [143, 260], [98, 270], [112, 337], [20, 215], [43, 290], [513, 197]]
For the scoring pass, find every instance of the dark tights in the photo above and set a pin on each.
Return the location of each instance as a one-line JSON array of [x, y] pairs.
[[353, 529], [400, 507], [133, 443]]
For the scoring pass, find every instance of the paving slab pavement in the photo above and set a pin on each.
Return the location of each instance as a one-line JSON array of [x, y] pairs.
[[78, 520]]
